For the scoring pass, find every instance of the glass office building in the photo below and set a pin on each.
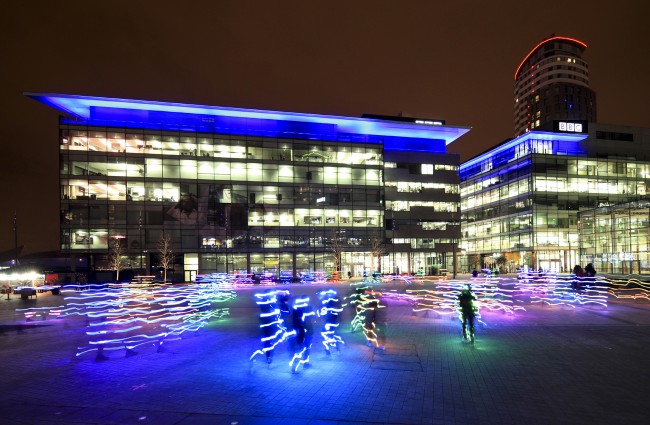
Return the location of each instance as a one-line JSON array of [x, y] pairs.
[[255, 191], [616, 238], [520, 200]]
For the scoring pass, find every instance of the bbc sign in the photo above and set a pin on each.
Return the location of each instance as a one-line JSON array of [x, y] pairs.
[[570, 126], [573, 127]]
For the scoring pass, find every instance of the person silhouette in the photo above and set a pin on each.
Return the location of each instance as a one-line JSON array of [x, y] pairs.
[[303, 326], [374, 327], [329, 311], [466, 300], [272, 326]]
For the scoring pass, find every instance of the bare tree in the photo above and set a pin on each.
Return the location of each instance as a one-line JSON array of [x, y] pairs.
[[501, 261], [166, 253], [377, 248], [512, 258], [115, 255], [336, 246], [476, 261]]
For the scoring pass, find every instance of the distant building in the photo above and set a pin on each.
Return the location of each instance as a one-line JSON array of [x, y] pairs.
[[616, 238], [552, 84], [254, 191], [521, 199]]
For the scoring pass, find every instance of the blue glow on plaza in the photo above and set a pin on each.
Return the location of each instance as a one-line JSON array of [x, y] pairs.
[[128, 316]]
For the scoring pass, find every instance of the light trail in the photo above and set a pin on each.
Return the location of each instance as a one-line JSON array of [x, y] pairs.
[[129, 315]]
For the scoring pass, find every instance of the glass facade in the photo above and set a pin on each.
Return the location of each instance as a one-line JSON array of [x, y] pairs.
[[422, 218], [233, 200], [520, 201], [616, 238], [217, 195]]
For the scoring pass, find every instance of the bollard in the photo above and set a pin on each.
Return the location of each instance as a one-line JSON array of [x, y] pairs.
[[100, 354]]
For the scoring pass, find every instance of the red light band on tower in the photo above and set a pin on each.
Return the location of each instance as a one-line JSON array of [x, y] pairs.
[[573, 40]]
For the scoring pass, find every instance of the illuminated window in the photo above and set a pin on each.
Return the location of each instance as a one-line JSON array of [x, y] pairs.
[[486, 165], [427, 168], [542, 146], [445, 167]]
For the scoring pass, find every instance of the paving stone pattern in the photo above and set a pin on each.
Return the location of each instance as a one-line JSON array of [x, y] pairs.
[[545, 365]]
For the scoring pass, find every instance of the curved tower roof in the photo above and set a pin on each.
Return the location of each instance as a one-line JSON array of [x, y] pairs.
[[544, 43], [552, 83]]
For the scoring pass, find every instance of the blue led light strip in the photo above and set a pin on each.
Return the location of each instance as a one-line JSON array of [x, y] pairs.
[[527, 137], [395, 135]]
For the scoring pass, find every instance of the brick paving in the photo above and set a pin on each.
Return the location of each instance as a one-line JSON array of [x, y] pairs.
[[545, 365]]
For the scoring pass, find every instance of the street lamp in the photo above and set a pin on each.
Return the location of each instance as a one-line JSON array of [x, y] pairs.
[[453, 246], [393, 227], [228, 234], [222, 249], [313, 242], [15, 223], [140, 227], [312, 224]]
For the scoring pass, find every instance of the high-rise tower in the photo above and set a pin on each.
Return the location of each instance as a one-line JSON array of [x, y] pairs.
[[552, 83]]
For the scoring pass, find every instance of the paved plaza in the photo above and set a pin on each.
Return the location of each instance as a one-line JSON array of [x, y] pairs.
[[544, 365]]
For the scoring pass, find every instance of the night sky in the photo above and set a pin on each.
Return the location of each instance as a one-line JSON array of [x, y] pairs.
[[453, 61]]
